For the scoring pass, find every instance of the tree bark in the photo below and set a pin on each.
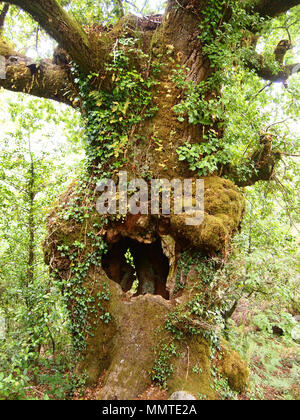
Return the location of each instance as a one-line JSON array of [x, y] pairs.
[[257, 63], [273, 8], [3, 14], [44, 80]]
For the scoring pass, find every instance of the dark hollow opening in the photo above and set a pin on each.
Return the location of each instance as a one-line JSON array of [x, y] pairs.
[[138, 267]]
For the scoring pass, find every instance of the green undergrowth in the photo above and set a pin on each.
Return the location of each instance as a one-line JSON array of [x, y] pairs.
[[274, 363]]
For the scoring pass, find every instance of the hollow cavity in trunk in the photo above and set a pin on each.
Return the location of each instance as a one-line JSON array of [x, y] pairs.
[[138, 267]]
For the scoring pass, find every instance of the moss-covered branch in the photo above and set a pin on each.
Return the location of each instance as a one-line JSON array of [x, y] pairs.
[[261, 165], [58, 24], [282, 76], [263, 70], [45, 80]]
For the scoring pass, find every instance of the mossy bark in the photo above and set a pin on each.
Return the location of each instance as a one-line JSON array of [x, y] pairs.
[[6, 49], [126, 348]]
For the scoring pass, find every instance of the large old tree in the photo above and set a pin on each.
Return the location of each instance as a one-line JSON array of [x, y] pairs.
[[141, 289]]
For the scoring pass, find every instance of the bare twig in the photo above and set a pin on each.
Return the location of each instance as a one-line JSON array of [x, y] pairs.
[[289, 154], [262, 89], [37, 39], [277, 123]]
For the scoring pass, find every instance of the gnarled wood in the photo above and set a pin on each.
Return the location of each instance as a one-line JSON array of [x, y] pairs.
[[258, 64], [282, 76]]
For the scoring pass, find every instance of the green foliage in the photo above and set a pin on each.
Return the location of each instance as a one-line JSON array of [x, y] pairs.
[[130, 260], [83, 305], [221, 387], [201, 315], [162, 368], [32, 174], [89, 12], [264, 263], [274, 364], [262, 274], [184, 266], [111, 117], [267, 320], [205, 102], [205, 158], [203, 312], [232, 99]]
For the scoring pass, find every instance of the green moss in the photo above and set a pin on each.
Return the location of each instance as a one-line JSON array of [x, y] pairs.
[[100, 343], [127, 25], [192, 369], [234, 368], [6, 49], [133, 356], [223, 207]]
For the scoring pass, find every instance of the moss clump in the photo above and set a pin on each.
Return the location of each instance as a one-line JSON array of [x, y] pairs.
[[223, 207], [234, 368], [193, 369], [6, 49]]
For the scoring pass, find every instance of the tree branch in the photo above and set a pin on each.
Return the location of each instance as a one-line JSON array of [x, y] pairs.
[[267, 73], [58, 24], [261, 165], [45, 80], [257, 63], [3, 15], [273, 8]]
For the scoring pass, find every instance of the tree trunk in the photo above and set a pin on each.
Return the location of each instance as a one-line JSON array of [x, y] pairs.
[[140, 288], [150, 334], [31, 225]]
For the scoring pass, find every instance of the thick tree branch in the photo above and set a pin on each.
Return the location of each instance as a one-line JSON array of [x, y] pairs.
[[273, 8], [58, 24], [261, 165], [282, 76], [46, 80], [264, 71]]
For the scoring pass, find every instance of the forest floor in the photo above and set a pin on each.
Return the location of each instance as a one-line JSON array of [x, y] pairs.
[[274, 358], [274, 376]]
